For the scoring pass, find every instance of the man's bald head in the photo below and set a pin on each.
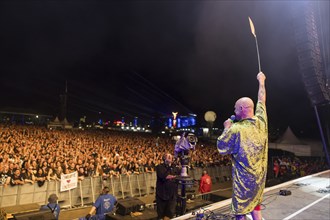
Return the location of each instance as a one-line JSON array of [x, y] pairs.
[[244, 108]]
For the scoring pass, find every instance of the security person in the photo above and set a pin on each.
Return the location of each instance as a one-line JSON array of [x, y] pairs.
[[103, 204], [52, 206], [166, 188]]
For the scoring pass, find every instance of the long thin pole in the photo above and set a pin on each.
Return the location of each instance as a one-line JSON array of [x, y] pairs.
[[258, 54], [322, 135]]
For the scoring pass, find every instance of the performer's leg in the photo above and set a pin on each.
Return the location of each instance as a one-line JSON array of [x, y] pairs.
[[256, 213]]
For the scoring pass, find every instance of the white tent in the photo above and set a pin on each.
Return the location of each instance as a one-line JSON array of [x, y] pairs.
[[66, 124], [289, 142], [60, 124], [289, 137]]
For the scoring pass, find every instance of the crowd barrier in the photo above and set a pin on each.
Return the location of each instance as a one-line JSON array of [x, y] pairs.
[[135, 185]]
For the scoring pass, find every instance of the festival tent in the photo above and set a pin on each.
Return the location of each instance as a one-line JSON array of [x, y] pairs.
[[289, 142], [59, 124]]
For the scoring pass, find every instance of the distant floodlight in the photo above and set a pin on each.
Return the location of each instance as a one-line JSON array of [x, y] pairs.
[[210, 116]]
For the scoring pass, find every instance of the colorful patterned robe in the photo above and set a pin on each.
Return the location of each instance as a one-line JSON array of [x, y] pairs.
[[247, 142]]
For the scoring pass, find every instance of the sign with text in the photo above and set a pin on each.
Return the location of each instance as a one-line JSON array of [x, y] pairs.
[[69, 181]]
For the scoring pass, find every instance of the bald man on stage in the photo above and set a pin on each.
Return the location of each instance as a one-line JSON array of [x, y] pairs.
[[247, 142]]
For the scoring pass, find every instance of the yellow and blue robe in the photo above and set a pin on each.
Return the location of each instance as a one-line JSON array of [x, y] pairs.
[[247, 142]]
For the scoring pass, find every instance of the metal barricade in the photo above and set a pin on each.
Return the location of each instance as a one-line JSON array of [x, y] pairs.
[[88, 189]]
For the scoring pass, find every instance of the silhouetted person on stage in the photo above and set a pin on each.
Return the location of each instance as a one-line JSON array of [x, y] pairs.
[[247, 142], [166, 188]]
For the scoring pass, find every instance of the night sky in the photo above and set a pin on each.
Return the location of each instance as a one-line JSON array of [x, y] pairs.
[[147, 58]]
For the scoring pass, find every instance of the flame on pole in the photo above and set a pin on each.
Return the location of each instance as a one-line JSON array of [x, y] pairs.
[[253, 30]]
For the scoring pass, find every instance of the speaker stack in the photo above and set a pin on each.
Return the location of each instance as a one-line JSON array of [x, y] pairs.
[[310, 61]]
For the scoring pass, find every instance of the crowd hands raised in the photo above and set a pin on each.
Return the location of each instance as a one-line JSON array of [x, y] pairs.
[[31, 154]]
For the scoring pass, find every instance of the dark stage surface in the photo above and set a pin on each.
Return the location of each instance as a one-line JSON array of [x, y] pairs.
[[147, 214]]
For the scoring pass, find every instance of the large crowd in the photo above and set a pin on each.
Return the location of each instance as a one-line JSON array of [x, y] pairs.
[[285, 167], [30, 154], [35, 154]]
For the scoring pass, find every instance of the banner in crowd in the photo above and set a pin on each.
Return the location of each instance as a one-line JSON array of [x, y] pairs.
[[69, 181]]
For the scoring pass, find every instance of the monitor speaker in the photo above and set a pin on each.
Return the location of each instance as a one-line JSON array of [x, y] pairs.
[[35, 215], [126, 206]]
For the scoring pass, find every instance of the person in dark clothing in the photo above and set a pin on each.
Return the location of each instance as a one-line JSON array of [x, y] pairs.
[[40, 177], [166, 188], [52, 206], [16, 178]]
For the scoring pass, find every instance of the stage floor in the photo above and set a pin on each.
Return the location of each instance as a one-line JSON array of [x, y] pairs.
[[309, 199]]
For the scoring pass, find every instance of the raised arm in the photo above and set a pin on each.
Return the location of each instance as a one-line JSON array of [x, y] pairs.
[[262, 90]]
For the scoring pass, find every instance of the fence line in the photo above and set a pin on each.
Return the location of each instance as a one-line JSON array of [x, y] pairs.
[[123, 186]]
